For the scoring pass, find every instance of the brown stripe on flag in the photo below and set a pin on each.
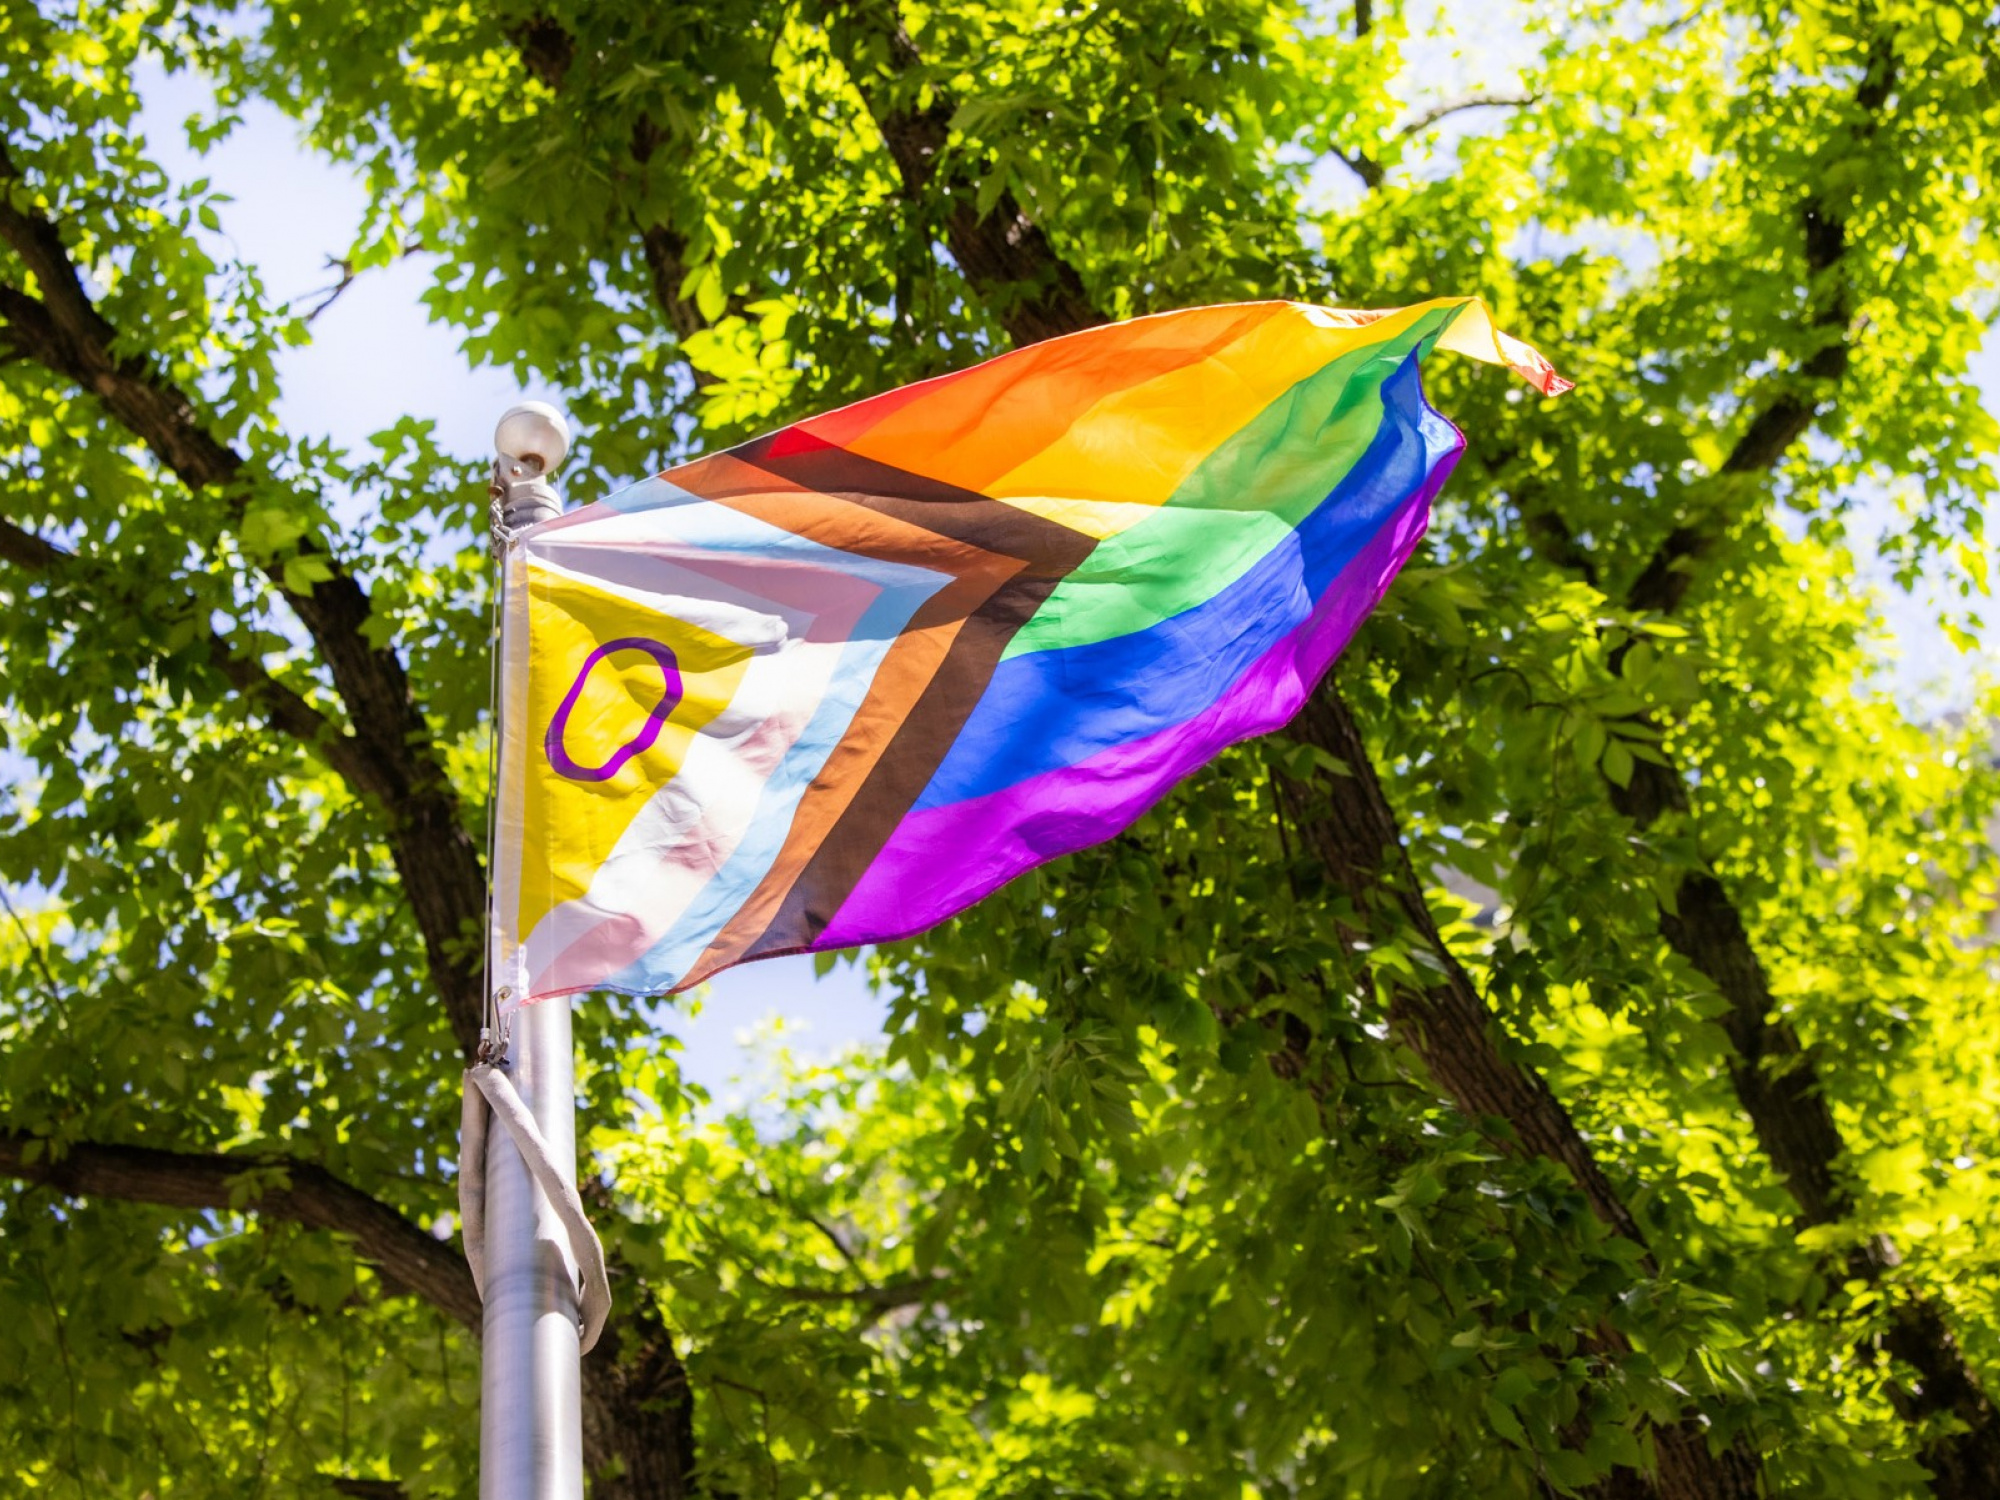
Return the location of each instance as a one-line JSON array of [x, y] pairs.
[[907, 667], [1044, 552]]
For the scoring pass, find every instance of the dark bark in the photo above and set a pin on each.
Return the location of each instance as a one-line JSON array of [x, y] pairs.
[[1003, 253], [1778, 1083], [666, 267], [664, 249], [638, 1414], [546, 47], [1362, 165], [1775, 1078], [435, 857], [548, 52], [1423, 119], [1348, 822], [1350, 826], [1965, 1465]]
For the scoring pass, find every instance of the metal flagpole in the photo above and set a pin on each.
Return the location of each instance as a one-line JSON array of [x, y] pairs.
[[530, 1399]]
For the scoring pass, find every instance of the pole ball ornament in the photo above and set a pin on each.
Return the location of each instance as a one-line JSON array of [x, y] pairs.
[[533, 433], [531, 440]]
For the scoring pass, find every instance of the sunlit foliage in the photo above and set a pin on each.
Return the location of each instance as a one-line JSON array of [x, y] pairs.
[[1150, 1189]]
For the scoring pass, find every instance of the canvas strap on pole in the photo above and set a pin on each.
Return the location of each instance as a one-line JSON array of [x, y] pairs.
[[490, 1094]]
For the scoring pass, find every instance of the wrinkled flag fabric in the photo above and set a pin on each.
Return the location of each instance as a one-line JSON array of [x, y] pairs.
[[836, 684]]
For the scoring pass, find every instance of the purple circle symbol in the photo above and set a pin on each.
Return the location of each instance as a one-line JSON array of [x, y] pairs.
[[656, 717]]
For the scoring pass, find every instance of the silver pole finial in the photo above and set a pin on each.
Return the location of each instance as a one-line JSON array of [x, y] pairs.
[[531, 441]]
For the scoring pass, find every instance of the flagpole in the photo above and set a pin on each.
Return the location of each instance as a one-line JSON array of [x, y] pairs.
[[530, 1406]]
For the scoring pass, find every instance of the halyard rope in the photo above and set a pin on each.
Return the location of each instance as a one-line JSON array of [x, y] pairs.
[[490, 1093]]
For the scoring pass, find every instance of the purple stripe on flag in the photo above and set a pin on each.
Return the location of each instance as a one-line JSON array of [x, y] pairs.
[[943, 859]]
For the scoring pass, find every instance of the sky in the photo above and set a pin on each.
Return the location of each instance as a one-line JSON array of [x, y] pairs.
[[374, 359]]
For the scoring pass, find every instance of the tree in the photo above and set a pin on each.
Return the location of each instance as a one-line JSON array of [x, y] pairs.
[[1238, 1154]]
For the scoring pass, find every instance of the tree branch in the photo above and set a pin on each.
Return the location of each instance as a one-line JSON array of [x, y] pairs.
[[1370, 170], [664, 250], [638, 1410], [369, 1489], [1351, 827], [637, 1416], [1776, 1079], [348, 274], [1778, 1084], [440, 867], [1450, 1028], [546, 49], [283, 708], [409, 1260], [884, 1298], [1364, 166], [826, 1230], [1426, 118], [1003, 254], [27, 549], [1664, 581], [548, 52]]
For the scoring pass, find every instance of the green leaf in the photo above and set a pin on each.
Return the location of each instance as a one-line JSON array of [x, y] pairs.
[[1617, 763], [1590, 740], [301, 573], [1503, 1421], [1512, 1384]]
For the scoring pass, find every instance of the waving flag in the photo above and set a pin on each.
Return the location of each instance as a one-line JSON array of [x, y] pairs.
[[836, 684]]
